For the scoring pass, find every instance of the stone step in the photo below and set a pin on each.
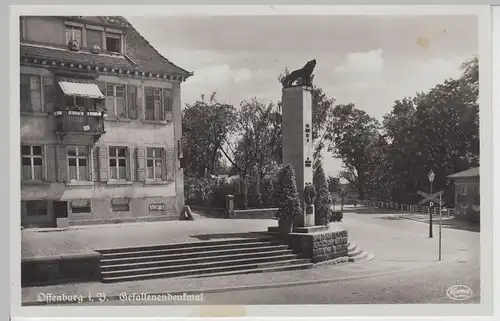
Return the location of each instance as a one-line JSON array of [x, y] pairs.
[[230, 242], [235, 269], [363, 256], [202, 256], [199, 262], [258, 246]]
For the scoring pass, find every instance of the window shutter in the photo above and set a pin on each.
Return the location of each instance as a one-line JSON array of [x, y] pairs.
[[170, 164], [164, 170], [132, 163], [95, 162], [132, 101], [103, 164], [167, 102], [128, 164], [150, 103], [61, 163], [25, 93], [102, 88], [50, 163], [48, 94], [141, 164]]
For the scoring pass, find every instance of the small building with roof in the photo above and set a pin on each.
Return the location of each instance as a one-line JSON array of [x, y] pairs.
[[467, 194]]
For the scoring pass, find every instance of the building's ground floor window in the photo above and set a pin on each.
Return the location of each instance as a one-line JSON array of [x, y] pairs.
[[36, 208], [156, 207], [120, 204], [81, 206]]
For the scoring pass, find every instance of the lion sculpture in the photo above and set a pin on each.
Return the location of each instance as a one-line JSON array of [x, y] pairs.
[[304, 74]]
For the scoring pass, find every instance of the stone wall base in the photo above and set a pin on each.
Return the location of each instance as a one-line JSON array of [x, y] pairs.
[[320, 246], [59, 270]]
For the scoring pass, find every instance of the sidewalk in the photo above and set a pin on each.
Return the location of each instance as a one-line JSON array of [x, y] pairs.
[[447, 222], [115, 291], [76, 240]]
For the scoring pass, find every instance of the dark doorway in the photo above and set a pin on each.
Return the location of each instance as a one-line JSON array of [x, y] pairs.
[[60, 210]]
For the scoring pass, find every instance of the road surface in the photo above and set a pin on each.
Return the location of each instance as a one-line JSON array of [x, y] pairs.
[[396, 244]]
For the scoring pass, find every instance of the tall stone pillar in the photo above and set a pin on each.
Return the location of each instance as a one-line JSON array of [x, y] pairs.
[[297, 140]]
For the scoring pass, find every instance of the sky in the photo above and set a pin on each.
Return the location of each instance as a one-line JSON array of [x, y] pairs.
[[370, 61]]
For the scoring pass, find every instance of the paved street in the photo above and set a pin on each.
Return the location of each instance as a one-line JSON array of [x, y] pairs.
[[405, 269]]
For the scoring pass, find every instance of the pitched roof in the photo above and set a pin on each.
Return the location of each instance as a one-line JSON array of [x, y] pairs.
[[140, 54], [471, 172]]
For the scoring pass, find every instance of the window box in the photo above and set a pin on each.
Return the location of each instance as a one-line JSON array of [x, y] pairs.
[[80, 113]]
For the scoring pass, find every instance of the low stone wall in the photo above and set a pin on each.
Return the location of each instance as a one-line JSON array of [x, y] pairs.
[[60, 269], [320, 246], [260, 213], [211, 211]]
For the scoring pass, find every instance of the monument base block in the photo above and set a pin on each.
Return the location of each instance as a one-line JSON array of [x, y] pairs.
[[319, 243], [322, 245]]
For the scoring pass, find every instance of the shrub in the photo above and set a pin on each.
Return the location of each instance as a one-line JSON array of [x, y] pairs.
[[336, 216], [286, 195], [324, 202]]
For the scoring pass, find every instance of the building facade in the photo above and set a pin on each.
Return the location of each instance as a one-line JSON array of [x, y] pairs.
[[467, 194], [100, 123]]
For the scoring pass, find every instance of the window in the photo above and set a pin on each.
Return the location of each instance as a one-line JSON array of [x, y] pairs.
[[463, 190], [32, 163], [31, 93], [81, 206], [118, 163], [78, 163], [115, 100], [36, 208], [94, 38], [75, 101], [158, 102], [154, 162], [113, 42], [73, 33], [120, 204]]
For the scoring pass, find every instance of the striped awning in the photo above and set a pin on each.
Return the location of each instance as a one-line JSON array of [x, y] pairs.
[[80, 87]]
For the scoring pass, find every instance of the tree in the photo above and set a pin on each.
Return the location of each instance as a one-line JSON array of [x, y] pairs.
[[206, 126], [437, 130], [351, 137], [258, 143]]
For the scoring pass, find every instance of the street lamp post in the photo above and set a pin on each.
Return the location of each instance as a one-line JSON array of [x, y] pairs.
[[431, 179]]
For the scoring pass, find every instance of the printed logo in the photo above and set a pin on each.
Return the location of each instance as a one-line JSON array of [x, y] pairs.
[[459, 292]]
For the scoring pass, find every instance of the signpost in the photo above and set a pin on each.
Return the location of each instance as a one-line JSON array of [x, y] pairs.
[[431, 198]]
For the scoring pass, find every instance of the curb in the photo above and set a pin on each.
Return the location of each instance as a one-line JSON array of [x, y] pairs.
[[118, 297]]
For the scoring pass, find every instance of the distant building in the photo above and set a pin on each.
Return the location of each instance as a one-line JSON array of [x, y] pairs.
[[467, 193], [100, 123]]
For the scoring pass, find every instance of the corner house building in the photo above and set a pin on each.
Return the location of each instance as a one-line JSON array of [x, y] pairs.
[[100, 124]]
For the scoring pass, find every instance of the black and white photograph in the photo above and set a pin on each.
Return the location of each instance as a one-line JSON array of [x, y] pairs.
[[284, 157]]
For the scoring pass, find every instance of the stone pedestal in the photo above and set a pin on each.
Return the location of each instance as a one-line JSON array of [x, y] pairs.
[[297, 140]]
